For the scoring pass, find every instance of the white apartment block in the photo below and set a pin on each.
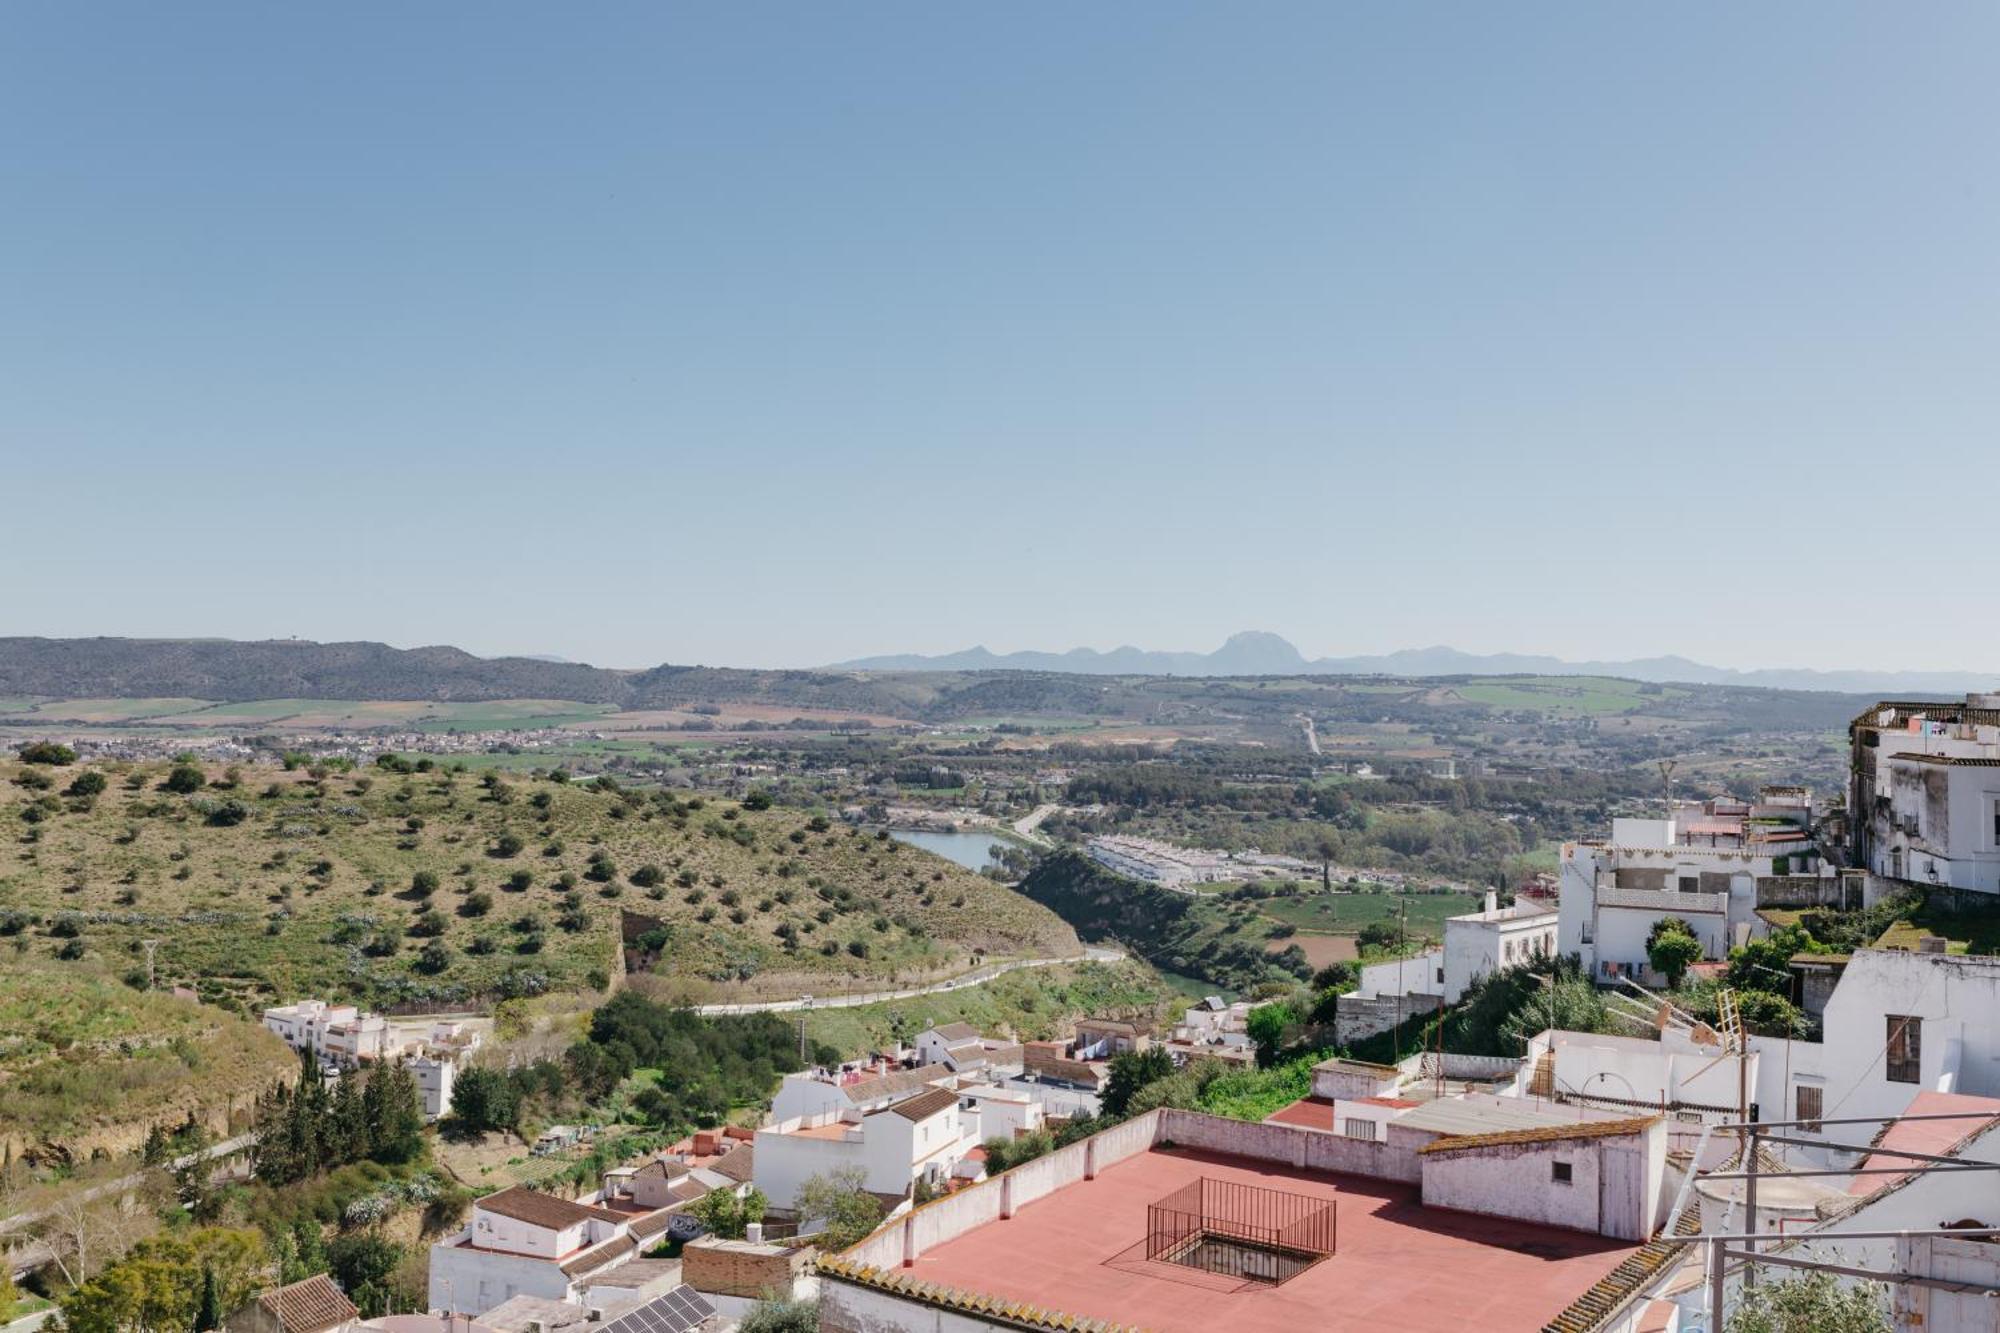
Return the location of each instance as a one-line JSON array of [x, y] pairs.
[[337, 1032], [1701, 865], [818, 1092], [1924, 796]]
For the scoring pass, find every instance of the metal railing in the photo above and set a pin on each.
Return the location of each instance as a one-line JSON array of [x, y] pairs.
[[1241, 1231]]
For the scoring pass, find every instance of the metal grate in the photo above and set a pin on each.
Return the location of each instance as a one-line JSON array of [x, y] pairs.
[[1243, 1231]]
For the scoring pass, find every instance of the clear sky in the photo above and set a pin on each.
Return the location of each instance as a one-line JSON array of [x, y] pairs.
[[778, 334]]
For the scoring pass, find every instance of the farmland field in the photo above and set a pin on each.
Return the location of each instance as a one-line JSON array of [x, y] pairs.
[[1347, 913]]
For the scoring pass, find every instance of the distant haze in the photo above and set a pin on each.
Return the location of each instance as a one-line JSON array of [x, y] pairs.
[[1259, 653]]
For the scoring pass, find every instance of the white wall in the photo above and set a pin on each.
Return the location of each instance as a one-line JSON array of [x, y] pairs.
[[1956, 999], [783, 1162], [470, 1281], [1418, 975]]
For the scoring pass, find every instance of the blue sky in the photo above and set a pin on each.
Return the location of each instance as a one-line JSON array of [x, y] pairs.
[[779, 334]]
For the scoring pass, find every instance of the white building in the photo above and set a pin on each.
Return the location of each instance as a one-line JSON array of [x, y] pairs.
[[1897, 1024], [1481, 943], [1924, 795], [921, 1137], [434, 1079], [818, 1092], [1702, 866], [520, 1242], [963, 1049], [341, 1033], [1476, 945]]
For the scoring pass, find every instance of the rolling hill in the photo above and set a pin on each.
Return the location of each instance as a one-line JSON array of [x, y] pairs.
[[433, 888]]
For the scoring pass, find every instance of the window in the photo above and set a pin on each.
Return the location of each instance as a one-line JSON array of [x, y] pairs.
[[1996, 821], [1808, 1105], [1587, 932], [1440, 976], [1355, 1128], [1559, 1172], [1690, 884], [1904, 1058]]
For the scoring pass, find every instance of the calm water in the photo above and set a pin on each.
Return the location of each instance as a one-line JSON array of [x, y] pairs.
[[972, 849]]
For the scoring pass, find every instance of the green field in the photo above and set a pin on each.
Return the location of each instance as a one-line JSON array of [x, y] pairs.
[[1347, 913], [313, 889], [1566, 694]]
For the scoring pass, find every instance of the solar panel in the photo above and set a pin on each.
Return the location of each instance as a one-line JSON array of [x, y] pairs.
[[678, 1311]]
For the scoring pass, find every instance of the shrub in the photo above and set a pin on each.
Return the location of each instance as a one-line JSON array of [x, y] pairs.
[[46, 752]]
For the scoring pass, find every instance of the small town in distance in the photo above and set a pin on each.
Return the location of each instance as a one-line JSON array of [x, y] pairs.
[[1686, 1026]]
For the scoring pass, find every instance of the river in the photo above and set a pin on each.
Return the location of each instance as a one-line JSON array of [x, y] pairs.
[[971, 848]]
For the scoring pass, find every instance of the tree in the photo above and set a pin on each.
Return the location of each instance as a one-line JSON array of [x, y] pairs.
[[46, 752], [481, 1100], [726, 1216], [208, 1313], [362, 1264], [839, 1201], [185, 778], [1270, 1026], [159, 1284], [1813, 1303], [90, 782], [10, 1294], [1131, 1071], [1672, 948], [781, 1316], [434, 957], [424, 883]]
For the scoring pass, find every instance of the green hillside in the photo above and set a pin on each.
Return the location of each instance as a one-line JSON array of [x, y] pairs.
[[432, 886]]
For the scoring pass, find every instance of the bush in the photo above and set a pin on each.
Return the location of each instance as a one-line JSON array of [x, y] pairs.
[[46, 752], [184, 779], [88, 783]]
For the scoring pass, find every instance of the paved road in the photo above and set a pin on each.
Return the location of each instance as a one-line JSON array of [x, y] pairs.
[[1312, 736], [1092, 953]]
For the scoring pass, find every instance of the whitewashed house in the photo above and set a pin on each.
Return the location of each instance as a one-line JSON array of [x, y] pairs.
[[1924, 794]]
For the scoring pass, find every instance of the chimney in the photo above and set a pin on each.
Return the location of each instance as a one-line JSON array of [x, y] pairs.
[[753, 1232], [1492, 902]]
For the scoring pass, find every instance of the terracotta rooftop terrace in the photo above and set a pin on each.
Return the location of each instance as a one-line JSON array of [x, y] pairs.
[[1397, 1266]]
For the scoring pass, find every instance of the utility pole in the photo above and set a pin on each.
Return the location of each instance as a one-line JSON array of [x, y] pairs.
[[150, 946], [1667, 767]]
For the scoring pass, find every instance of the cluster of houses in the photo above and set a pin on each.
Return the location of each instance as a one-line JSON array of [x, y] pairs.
[[343, 1037]]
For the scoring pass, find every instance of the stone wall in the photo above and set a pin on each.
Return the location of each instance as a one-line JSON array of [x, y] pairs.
[[1356, 1018]]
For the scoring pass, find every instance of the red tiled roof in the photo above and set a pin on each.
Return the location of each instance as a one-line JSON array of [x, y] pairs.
[[543, 1210], [311, 1306], [1939, 1138], [597, 1256], [925, 1104]]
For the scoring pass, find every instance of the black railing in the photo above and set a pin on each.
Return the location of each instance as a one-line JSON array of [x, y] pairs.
[[1242, 1231]]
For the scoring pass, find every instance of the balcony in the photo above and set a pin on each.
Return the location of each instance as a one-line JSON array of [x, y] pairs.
[[1663, 900]]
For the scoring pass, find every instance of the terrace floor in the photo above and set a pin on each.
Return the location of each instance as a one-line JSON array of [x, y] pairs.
[[1397, 1265]]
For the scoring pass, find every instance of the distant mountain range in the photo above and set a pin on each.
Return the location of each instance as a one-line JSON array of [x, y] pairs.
[[1258, 653], [224, 669]]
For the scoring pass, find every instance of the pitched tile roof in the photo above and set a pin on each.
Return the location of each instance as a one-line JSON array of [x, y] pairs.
[[925, 1104], [737, 1163], [543, 1210], [896, 1084], [311, 1306], [597, 1256], [954, 1032], [1589, 1129]]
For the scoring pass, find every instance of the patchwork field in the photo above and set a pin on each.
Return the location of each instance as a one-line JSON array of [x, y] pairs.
[[440, 887]]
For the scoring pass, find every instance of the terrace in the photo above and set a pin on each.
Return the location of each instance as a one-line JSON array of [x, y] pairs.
[[1373, 1256]]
